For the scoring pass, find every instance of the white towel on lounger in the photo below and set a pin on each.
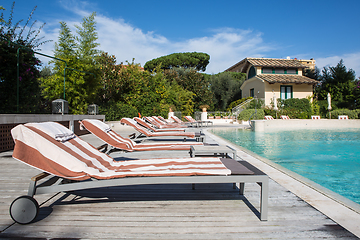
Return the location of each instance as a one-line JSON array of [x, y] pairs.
[[54, 130]]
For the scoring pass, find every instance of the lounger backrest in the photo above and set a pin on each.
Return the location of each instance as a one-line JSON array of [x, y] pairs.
[[176, 119], [72, 158], [163, 119], [269, 117], [133, 123], [284, 117], [144, 123], [36, 144], [343, 117], [153, 122], [104, 132], [156, 119], [189, 118]]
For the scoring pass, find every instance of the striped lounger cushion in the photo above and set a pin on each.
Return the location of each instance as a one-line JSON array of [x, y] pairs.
[[104, 132], [52, 148]]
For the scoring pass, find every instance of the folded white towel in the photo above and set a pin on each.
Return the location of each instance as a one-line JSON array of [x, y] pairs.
[[101, 125], [54, 130]]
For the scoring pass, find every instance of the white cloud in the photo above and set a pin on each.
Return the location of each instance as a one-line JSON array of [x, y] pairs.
[[351, 60], [225, 46]]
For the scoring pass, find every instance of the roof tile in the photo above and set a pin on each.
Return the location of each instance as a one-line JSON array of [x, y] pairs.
[[271, 62], [286, 78]]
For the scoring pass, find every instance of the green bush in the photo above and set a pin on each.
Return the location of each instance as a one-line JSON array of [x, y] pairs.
[[256, 103], [245, 114], [295, 108], [270, 112], [116, 111], [352, 114], [237, 102]]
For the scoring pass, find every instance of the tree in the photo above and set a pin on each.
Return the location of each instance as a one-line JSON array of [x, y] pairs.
[[86, 39], [128, 90], [226, 88], [1, 16], [193, 81], [196, 60], [14, 41], [83, 74], [340, 83]]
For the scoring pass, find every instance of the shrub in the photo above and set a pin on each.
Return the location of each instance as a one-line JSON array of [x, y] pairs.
[[352, 114], [256, 103], [237, 102], [245, 114], [296, 108], [116, 111], [270, 112]]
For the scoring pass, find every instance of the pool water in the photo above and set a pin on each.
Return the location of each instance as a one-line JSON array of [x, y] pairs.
[[330, 158]]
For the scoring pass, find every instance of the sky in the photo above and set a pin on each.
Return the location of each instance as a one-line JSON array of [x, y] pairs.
[[229, 31]]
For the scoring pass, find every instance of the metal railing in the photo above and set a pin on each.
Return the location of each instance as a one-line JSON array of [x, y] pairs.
[[239, 108]]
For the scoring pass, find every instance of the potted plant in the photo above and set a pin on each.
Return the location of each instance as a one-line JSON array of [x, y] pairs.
[[204, 107], [217, 115]]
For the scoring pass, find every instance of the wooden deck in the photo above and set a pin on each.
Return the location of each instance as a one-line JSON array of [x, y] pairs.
[[211, 211]]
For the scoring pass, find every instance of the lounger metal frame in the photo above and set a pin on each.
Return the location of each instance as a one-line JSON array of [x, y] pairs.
[[28, 205]]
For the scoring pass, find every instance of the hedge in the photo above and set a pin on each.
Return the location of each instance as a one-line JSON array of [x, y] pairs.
[[352, 114], [245, 114]]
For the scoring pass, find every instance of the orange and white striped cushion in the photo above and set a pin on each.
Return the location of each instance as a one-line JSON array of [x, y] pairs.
[[76, 159], [114, 139]]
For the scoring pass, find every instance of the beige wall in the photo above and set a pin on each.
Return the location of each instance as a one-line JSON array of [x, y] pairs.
[[299, 91], [267, 90], [255, 83]]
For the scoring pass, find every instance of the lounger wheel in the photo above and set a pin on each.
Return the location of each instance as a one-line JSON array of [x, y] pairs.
[[24, 209]]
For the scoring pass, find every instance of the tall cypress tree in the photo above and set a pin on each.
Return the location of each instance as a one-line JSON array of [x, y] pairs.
[[80, 54]]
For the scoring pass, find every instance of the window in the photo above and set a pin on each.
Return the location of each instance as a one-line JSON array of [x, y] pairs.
[[252, 92], [252, 72], [267, 70], [286, 92], [279, 71], [291, 71]]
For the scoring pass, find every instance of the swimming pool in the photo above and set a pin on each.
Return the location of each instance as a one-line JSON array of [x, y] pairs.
[[330, 158]]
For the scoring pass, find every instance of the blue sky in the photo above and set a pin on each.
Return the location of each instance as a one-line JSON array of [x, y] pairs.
[[229, 31]]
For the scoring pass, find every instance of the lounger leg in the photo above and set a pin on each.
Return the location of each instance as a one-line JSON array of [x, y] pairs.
[[264, 200], [31, 191], [241, 188]]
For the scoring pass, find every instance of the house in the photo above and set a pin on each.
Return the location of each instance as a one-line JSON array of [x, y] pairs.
[[268, 76]]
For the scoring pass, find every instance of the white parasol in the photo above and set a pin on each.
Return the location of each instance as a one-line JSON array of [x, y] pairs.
[[329, 101], [275, 103]]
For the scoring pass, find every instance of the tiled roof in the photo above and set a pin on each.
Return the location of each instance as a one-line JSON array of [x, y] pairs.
[[272, 62], [286, 78]]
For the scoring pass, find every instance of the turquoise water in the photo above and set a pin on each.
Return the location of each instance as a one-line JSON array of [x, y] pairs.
[[330, 158]]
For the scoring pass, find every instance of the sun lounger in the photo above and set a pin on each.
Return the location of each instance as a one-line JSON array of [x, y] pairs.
[[284, 117], [143, 132], [343, 117], [177, 120], [69, 164], [198, 123], [153, 129], [160, 124], [268, 117], [115, 141], [164, 120]]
